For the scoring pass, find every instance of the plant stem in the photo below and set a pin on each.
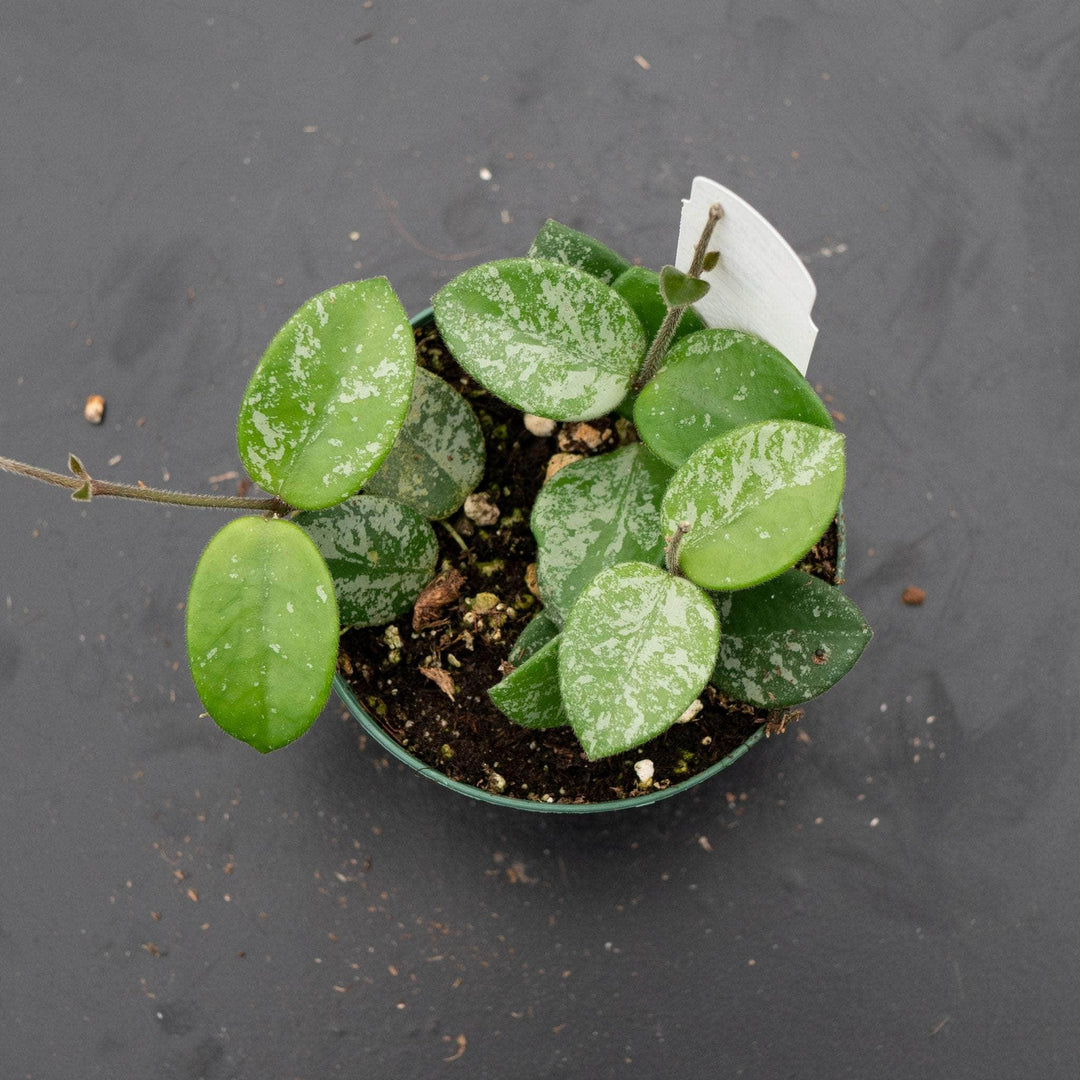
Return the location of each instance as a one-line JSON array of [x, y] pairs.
[[271, 504], [455, 534], [670, 324], [671, 549]]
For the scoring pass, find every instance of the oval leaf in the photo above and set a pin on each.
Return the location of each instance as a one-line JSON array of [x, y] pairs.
[[537, 633], [640, 288], [679, 289], [329, 395], [262, 631], [547, 338], [756, 500], [786, 641], [530, 695], [438, 456], [717, 380], [566, 245], [595, 513], [637, 649], [380, 552]]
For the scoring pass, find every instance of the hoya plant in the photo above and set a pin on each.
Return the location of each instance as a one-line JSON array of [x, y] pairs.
[[662, 565]]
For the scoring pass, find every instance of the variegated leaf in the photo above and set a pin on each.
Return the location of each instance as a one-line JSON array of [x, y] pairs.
[[438, 456], [381, 554], [717, 380], [563, 244], [594, 513], [786, 641], [756, 500], [329, 395], [637, 649], [547, 338]]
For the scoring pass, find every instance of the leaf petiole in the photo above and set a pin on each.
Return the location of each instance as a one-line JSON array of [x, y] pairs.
[[84, 487]]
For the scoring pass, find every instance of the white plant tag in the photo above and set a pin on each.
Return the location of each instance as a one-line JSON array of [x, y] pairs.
[[760, 284]]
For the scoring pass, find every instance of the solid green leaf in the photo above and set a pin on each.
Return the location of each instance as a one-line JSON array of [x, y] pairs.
[[756, 500], [539, 630], [547, 338], [262, 631], [563, 244], [594, 513], [640, 288], [717, 380], [438, 456], [329, 395], [786, 641], [529, 695], [380, 552], [637, 649], [680, 289]]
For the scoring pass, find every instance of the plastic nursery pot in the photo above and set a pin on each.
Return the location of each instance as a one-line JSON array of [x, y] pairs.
[[376, 732]]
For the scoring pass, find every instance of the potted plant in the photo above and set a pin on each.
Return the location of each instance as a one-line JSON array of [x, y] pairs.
[[585, 511]]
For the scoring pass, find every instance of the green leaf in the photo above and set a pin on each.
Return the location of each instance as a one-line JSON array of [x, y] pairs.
[[326, 401], [717, 380], [76, 467], [262, 631], [640, 288], [380, 552], [83, 493], [679, 289], [537, 633], [530, 695], [756, 500], [710, 261], [566, 245], [637, 649], [594, 513], [547, 338], [786, 641], [438, 456]]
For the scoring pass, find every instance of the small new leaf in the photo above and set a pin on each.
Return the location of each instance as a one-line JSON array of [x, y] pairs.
[[76, 467], [710, 261], [640, 288], [82, 494], [679, 289]]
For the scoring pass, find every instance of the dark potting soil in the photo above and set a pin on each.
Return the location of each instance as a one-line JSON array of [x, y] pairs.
[[424, 678]]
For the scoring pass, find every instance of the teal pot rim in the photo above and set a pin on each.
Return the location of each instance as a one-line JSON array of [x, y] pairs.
[[395, 750], [371, 728]]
